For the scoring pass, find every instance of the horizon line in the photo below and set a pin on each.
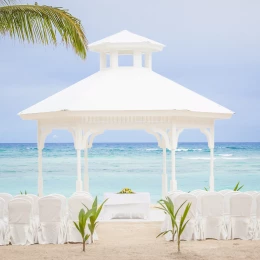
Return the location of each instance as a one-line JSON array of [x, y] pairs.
[[129, 142]]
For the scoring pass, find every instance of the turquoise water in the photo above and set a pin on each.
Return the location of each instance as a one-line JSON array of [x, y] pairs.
[[137, 166]]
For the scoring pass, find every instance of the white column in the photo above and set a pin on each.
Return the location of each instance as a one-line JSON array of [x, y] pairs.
[[164, 175], [86, 177], [148, 60], [103, 60], [40, 179], [137, 59], [114, 59], [173, 181], [79, 182], [211, 178], [174, 140]]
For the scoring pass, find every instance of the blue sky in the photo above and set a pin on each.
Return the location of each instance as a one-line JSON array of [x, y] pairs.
[[212, 47]]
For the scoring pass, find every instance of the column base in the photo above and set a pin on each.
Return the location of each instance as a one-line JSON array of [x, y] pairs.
[[78, 185], [164, 185], [173, 185]]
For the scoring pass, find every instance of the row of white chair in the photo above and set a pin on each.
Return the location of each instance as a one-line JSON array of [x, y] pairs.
[[46, 220], [217, 216]]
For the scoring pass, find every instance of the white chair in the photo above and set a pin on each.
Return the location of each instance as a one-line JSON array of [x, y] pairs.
[[241, 224], [25, 197], [173, 195], [52, 223], [190, 233], [3, 224], [227, 197], [7, 197], [84, 193], [21, 230], [197, 191], [212, 223], [35, 204], [75, 204], [199, 194], [64, 202], [223, 192], [257, 226], [254, 194]]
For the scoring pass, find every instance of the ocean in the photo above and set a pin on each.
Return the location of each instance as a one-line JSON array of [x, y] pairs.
[[113, 166]]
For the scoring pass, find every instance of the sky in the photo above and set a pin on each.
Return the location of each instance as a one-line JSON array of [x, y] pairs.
[[212, 48]]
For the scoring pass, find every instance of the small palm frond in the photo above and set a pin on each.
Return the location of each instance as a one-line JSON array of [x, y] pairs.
[[237, 187], [40, 24], [164, 233], [183, 218], [7, 2]]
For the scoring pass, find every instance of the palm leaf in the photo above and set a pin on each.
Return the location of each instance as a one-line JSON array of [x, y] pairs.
[[235, 188], [100, 208], [40, 24], [76, 225], [240, 188], [164, 233], [86, 237], [7, 2], [180, 207], [184, 226]]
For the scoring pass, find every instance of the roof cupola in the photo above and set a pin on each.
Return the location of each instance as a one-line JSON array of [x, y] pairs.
[[126, 43]]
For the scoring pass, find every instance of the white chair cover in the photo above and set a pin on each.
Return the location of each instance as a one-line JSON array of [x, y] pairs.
[[241, 224], [190, 232], [21, 230], [199, 194], [3, 224], [35, 204], [52, 224], [254, 194], [25, 197], [257, 224], [173, 195], [223, 192], [64, 203], [195, 192], [75, 204], [83, 193], [7, 197], [212, 223], [227, 197]]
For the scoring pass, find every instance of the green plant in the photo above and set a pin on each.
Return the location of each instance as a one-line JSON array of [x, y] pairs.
[[206, 189], [168, 207], [237, 187], [126, 191], [182, 224], [42, 24], [81, 225], [95, 211], [177, 226], [25, 192]]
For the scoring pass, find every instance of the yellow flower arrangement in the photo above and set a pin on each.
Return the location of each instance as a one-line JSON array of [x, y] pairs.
[[126, 191]]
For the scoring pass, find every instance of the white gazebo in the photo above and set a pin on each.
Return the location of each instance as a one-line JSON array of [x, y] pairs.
[[117, 98]]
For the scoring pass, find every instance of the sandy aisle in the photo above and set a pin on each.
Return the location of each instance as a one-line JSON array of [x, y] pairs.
[[135, 241]]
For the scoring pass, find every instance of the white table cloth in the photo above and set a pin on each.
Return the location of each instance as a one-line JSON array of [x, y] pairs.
[[126, 206]]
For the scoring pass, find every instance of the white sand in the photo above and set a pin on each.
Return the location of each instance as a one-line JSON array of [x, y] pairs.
[[135, 241]]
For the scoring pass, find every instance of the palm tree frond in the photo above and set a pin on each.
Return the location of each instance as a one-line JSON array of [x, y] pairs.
[[39, 24]]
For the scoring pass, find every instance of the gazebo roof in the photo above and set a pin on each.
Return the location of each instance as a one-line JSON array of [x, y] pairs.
[[134, 89], [127, 89], [125, 42]]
